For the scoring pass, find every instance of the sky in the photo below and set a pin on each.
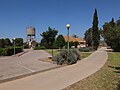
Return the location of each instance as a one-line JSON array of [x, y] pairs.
[[17, 15]]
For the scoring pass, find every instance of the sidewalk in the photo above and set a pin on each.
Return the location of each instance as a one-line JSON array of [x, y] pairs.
[[14, 67], [60, 78]]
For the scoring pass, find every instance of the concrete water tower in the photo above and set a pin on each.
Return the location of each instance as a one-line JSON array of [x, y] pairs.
[[31, 37]]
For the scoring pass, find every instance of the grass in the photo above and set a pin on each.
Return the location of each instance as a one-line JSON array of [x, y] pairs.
[[107, 78], [85, 54], [55, 51]]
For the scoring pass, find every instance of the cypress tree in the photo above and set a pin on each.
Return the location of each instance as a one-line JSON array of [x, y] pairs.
[[95, 31], [112, 23]]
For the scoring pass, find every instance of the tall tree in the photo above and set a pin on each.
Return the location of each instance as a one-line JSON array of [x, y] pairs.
[[7, 42], [18, 42], [60, 41], [112, 34], [2, 44], [112, 23], [48, 37], [95, 31], [76, 43], [88, 37], [107, 30]]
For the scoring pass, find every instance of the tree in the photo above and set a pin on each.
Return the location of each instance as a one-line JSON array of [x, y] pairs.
[[112, 23], [95, 31], [7, 42], [48, 37], [76, 44], [108, 30], [18, 42], [60, 41], [111, 31], [88, 37], [2, 45]]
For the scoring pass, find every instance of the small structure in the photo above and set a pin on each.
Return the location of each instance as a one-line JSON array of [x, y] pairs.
[[31, 37], [81, 41]]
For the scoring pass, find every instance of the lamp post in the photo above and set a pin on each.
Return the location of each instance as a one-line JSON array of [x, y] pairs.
[[68, 27], [14, 45]]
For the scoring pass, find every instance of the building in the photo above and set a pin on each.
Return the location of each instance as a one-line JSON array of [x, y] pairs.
[[81, 41]]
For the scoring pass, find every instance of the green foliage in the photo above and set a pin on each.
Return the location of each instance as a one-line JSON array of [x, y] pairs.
[[64, 58], [70, 44], [76, 43], [10, 51], [88, 37], [72, 58], [58, 59], [39, 48], [60, 41], [25, 45], [18, 42], [77, 53], [95, 31], [2, 44], [48, 37], [86, 49], [7, 42], [1, 52], [111, 33], [108, 30]]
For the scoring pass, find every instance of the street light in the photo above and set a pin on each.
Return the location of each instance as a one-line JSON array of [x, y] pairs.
[[14, 45], [68, 27]]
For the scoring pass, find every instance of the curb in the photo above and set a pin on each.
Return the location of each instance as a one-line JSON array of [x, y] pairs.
[[29, 74]]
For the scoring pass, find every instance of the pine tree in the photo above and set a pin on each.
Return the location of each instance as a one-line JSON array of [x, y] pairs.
[[95, 31]]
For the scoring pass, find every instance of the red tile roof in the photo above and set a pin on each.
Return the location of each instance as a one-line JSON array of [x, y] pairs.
[[73, 39]]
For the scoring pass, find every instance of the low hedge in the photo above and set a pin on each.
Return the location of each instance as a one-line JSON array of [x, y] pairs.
[[86, 49], [10, 51], [39, 48]]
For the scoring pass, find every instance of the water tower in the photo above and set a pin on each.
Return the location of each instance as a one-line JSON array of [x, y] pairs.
[[31, 37]]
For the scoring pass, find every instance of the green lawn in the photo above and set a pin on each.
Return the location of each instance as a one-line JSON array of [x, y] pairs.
[[108, 78], [85, 54], [55, 51]]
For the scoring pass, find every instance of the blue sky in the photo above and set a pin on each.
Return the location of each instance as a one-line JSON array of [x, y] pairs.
[[16, 15]]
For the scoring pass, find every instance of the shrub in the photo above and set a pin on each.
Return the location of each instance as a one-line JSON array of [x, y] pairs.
[[58, 59], [77, 53], [64, 58], [86, 49], [39, 48], [72, 58], [25, 46], [1, 52], [10, 51], [64, 53]]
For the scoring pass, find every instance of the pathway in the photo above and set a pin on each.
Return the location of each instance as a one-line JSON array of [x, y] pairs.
[[60, 78]]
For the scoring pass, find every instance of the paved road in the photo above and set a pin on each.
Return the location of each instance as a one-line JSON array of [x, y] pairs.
[[60, 78], [25, 64]]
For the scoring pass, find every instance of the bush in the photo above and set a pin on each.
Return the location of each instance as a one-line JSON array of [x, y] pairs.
[[72, 58], [1, 52], [77, 53], [39, 48], [58, 59], [25, 46], [64, 53], [10, 51], [86, 49], [64, 58]]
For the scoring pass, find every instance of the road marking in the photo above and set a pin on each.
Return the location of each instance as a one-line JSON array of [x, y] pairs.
[[25, 67]]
